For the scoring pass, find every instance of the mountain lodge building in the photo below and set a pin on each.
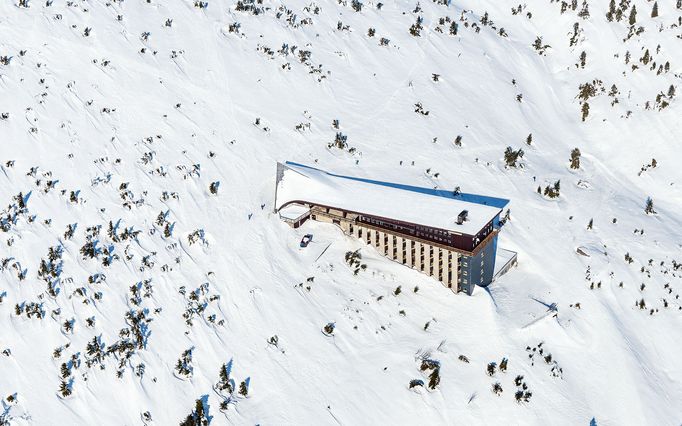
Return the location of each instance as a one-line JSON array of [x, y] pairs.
[[452, 238]]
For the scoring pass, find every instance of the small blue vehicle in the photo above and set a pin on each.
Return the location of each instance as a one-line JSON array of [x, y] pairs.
[[307, 238]]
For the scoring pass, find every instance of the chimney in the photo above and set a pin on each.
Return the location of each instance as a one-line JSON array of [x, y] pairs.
[[462, 217]]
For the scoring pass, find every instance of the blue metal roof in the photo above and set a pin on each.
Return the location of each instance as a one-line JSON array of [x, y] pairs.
[[500, 203]]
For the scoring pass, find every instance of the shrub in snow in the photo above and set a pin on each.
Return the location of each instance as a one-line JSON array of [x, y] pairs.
[[196, 236], [353, 259], [416, 382], [649, 208], [429, 364], [522, 396], [66, 388], [214, 187], [198, 301], [50, 270], [419, 109], [184, 366], [539, 47], [95, 351], [490, 369], [416, 28], [512, 158], [553, 191], [30, 309], [463, 358], [497, 388], [518, 380], [329, 329], [340, 141]]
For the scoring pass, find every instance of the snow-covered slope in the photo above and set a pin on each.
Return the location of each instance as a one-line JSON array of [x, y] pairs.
[[139, 139]]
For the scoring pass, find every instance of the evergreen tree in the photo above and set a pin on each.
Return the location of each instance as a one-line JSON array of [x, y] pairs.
[[585, 11], [649, 208], [198, 417], [646, 58], [244, 388], [585, 109], [575, 158], [633, 15], [434, 378], [612, 11], [654, 10], [503, 364]]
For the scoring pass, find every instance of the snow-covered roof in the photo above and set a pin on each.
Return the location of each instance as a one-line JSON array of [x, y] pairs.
[[406, 203]]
